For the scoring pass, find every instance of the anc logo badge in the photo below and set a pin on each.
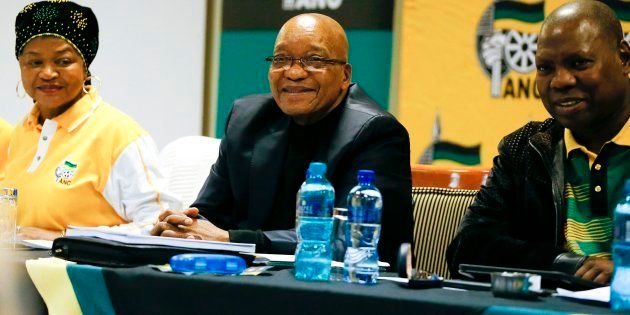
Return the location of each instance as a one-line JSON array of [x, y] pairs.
[[65, 172], [507, 36]]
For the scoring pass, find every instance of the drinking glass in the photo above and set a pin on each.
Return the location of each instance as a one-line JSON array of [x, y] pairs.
[[8, 217]]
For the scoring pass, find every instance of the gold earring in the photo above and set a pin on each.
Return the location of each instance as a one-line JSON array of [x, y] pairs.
[[17, 89], [90, 78]]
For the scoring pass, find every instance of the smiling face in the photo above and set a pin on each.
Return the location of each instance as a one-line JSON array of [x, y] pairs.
[[52, 73], [307, 96], [582, 75]]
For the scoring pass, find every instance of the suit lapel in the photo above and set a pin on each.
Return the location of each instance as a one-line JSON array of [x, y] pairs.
[[340, 138], [267, 158]]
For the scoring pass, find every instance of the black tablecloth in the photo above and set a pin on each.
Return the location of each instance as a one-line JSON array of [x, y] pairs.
[[144, 290]]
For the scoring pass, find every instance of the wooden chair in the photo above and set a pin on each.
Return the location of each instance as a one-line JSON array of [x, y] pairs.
[[440, 196]]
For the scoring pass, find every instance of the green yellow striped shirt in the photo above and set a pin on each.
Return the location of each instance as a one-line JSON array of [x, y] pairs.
[[593, 186]]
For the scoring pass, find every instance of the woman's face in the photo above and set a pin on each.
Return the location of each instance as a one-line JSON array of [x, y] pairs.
[[53, 73]]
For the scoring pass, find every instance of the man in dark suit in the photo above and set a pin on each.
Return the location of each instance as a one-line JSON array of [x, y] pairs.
[[314, 113]]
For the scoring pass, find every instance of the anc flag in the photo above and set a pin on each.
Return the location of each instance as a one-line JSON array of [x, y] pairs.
[[440, 150], [445, 150], [525, 12]]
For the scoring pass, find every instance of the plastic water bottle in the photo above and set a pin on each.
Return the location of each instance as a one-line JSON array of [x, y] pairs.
[[363, 231], [314, 224], [620, 286]]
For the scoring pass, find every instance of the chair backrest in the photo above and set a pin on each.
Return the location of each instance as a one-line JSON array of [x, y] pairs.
[[440, 197], [461, 177], [187, 162]]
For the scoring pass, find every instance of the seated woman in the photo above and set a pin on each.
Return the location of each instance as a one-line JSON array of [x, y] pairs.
[[75, 159]]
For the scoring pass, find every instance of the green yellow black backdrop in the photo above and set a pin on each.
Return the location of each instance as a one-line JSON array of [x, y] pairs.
[[466, 75], [249, 30]]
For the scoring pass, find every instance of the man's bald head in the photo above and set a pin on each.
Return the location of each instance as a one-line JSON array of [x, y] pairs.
[[317, 76], [594, 13], [321, 26]]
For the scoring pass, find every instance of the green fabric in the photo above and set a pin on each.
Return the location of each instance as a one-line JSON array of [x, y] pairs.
[[90, 289], [586, 233]]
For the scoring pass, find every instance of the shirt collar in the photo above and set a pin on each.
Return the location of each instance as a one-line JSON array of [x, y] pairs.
[[73, 116], [621, 138]]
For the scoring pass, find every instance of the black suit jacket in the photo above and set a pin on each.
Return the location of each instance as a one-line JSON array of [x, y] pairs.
[[240, 190]]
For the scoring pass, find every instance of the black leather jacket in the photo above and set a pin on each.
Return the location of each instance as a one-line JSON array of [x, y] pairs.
[[517, 219]]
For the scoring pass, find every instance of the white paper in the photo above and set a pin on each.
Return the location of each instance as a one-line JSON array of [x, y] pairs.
[[135, 239], [39, 244], [600, 294], [395, 279]]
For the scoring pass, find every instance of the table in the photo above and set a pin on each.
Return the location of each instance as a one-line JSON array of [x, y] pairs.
[[144, 290]]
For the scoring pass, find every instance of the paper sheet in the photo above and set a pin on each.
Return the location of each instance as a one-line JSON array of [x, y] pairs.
[[39, 244], [600, 294]]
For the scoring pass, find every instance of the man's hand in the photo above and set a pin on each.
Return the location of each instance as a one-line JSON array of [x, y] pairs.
[[33, 233], [596, 269], [185, 225]]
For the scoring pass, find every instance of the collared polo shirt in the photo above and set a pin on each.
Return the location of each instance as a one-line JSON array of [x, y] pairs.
[[594, 184], [6, 130], [90, 166]]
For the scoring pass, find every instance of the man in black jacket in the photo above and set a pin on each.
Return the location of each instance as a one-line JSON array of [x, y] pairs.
[[313, 113], [548, 203]]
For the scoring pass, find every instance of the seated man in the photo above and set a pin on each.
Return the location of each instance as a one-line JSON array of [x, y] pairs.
[[549, 201], [313, 113]]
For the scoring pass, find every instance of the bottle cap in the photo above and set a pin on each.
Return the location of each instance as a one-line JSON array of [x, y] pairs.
[[365, 176], [316, 168]]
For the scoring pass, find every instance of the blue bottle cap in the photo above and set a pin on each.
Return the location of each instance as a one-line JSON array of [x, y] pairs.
[[316, 168], [365, 176]]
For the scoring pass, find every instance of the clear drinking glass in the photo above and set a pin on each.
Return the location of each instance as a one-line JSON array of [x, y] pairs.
[[340, 216], [8, 217]]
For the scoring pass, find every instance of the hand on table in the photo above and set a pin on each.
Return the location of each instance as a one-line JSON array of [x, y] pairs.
[[33, 233], [596, 269], [186, 225]]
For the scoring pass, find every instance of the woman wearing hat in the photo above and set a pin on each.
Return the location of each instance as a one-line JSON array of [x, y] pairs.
[[75, 159]]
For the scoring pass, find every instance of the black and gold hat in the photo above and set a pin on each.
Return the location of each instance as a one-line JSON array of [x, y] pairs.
[[63, 19]]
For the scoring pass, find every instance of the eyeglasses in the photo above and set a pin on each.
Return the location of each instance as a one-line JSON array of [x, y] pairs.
[[309, 63]]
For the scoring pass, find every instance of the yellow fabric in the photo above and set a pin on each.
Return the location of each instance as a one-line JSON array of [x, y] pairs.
[[51, 279], [87, 137], [622, 138], [6, 130]]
